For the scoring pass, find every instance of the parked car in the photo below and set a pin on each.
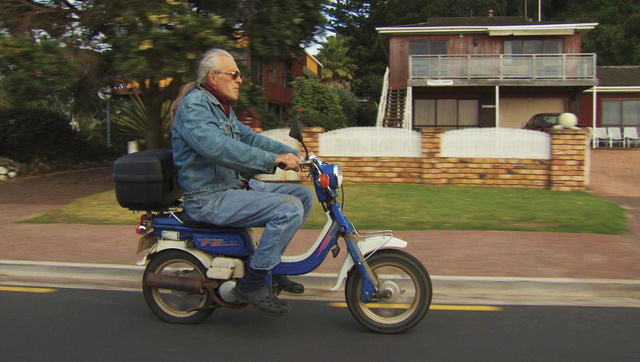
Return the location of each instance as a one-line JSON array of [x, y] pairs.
[[542, 122]]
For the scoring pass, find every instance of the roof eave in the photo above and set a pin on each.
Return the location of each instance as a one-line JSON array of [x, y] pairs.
[[400, 30]]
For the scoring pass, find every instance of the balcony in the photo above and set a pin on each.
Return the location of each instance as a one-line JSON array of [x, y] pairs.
[[503, 69]]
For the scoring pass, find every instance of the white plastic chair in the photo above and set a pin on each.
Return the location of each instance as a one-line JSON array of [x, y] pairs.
[[614, 136], [600, 135], [630, 134]]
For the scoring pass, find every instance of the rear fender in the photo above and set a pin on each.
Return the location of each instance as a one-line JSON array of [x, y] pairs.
[[367, 246], [164, 244]]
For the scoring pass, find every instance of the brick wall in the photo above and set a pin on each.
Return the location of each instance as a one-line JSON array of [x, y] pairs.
[[565, 171]]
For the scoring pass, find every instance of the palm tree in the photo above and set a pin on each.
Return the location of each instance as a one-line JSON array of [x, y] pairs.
[[338, 68], [133, 119]]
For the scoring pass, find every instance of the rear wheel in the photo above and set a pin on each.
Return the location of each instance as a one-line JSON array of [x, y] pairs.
[[177, 306], [404, 292]]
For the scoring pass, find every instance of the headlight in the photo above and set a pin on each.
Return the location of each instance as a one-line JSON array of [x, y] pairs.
[[330, 177], [337, 173]]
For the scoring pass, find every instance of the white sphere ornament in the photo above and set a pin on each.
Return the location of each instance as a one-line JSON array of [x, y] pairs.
[[568, 120]]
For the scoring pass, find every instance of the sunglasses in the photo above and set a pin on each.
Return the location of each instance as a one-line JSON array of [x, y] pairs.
[[235, 74]]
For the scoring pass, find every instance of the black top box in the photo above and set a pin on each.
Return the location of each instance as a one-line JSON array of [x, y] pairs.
[[147, 180]]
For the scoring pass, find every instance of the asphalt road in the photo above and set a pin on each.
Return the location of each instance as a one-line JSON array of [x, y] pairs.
[[90, 325]]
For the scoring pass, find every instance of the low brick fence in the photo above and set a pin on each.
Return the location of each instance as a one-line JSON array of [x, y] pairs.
[[565, 171]]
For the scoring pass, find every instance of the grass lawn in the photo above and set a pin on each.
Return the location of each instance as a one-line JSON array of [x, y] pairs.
[[418, 207]]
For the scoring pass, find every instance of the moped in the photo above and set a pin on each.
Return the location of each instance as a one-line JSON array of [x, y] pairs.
[[192, 267]]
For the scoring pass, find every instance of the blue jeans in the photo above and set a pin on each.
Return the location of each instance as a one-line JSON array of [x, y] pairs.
[[278, 207]]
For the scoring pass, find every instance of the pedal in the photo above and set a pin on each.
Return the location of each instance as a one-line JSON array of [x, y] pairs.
[[335, 251]]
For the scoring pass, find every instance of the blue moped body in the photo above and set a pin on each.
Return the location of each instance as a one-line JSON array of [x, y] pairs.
[[226, 241]]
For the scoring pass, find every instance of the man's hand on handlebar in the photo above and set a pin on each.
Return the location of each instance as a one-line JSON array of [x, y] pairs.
[[288, 161]]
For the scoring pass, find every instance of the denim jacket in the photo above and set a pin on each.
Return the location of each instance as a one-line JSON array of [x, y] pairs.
[[211, 150]]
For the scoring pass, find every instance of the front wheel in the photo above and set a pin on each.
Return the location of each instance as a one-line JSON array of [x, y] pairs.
[[404, 292], [177, 306]]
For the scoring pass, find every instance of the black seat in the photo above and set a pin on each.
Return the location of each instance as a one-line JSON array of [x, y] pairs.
[[188, 221]]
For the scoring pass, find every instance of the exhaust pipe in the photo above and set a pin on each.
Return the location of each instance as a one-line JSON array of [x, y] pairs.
[[189, 285], [185, 284]]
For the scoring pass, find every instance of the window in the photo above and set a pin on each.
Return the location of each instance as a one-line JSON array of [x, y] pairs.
[[522, 64], [433, 47], [530, 46], [620, 113], [257, 71], [287, 70], [272, 73], [446, 113], [428, 67]]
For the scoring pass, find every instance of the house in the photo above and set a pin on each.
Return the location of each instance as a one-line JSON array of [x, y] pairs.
[[490, 71], [276, 75], [615, 101]]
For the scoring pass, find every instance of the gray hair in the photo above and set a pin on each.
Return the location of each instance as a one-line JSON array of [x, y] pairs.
[[209, 61]]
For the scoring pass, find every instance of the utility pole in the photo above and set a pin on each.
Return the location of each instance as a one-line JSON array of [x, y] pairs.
[[539, 11]]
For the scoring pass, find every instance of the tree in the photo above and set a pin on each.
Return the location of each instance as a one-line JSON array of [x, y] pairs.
[[338, 68], [616, 39], [152, 41]]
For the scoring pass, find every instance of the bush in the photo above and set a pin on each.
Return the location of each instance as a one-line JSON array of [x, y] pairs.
[[348, 103], [320, 120], [319, 102], [27, 135], [366, 114], [369, 86]]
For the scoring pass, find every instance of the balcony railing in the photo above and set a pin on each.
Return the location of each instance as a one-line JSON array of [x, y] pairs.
[[504, 66]]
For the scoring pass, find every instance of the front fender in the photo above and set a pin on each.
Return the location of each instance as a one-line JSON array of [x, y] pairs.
[[366, 246]]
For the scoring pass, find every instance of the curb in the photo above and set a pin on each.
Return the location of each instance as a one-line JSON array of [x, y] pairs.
[[446, 289]]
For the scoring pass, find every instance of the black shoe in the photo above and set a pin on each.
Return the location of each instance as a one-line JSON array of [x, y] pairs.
[[264, 300], [288, 285]]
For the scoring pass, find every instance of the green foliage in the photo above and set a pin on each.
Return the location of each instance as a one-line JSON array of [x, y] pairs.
[[253, 96], [277, 27], [616, 39], [132, 118], [366, 114], [154, 40], [27, 135], [337, 67], [66, 50], [369, 86], [31, 72], [321, 105], [267, 28], [348, 103]]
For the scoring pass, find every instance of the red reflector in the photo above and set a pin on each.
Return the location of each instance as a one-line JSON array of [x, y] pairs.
[[324, 180], [141, 228]]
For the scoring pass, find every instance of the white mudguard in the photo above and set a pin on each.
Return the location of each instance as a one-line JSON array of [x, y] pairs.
[[366, 246]]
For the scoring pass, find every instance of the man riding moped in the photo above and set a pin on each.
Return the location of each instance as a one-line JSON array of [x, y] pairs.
[[212, 150]]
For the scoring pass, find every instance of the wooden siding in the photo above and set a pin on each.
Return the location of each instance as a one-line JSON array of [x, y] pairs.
[[456, 44]]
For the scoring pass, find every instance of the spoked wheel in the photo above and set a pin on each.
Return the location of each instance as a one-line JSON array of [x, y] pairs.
[[177, 306], [405, 292]]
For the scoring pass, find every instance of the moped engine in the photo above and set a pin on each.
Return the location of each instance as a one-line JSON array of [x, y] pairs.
[[226, 291]]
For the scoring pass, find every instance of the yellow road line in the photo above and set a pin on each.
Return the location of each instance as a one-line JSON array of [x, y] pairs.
[[473, 308], [26, 289]]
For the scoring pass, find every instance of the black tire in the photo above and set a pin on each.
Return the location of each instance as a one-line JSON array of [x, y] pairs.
[[409, 287], [176, 306]]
